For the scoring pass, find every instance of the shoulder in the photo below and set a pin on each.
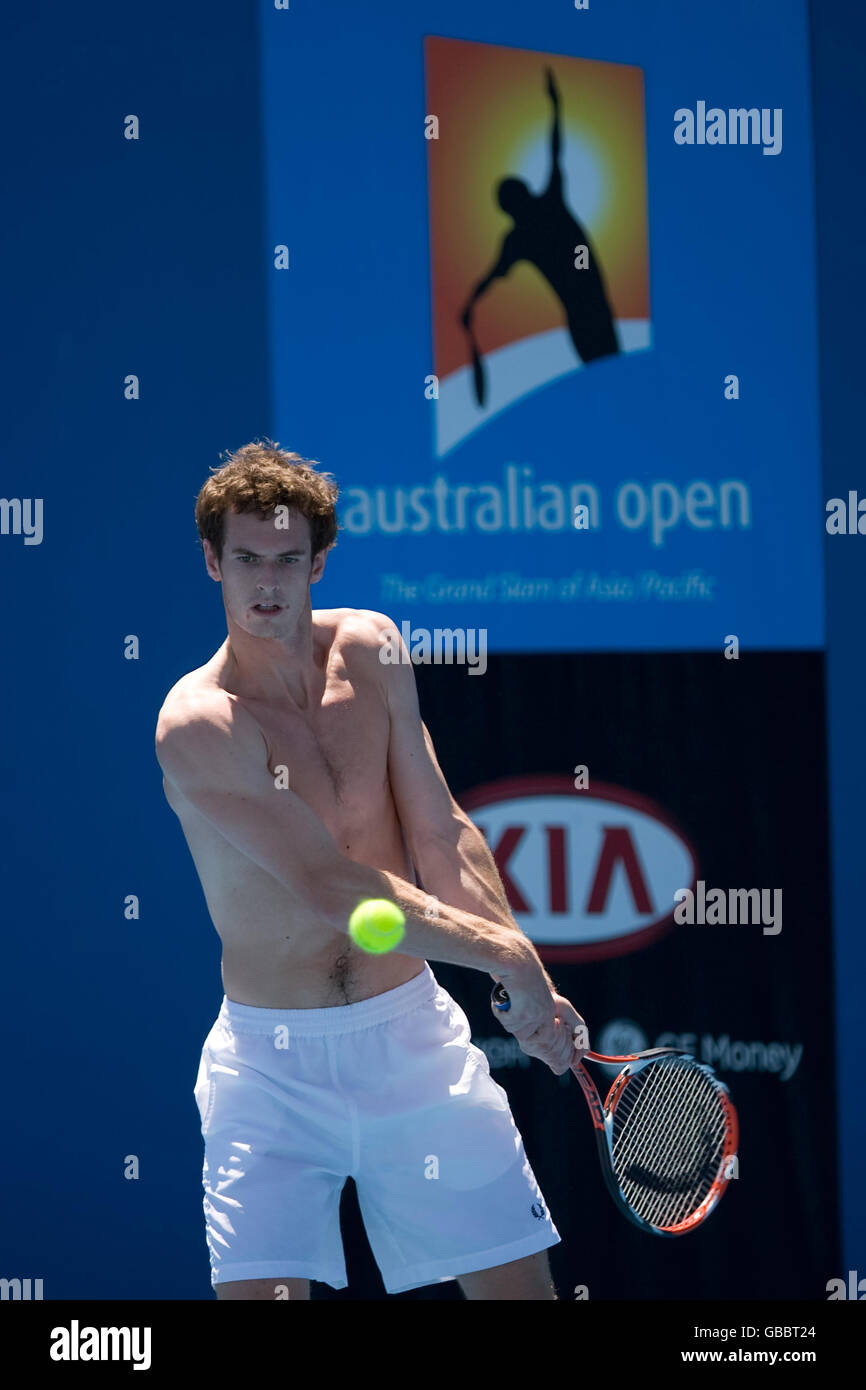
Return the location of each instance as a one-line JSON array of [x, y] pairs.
[[197, 717], [189, 697], [372, 648], [359, 629]]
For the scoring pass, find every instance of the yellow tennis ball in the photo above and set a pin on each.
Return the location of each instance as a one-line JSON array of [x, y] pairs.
[[377, 925]]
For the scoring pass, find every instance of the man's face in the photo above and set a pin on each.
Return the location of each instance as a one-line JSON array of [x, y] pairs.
[[265, 572]]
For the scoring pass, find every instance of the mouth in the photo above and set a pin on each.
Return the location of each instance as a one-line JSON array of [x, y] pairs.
[[268, 608]]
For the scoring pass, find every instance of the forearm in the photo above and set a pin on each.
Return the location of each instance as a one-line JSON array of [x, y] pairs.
[[462, 873], [434, 931]]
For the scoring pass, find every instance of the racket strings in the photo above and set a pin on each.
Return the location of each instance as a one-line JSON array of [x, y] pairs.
[[669, 1132], [671, 1169]]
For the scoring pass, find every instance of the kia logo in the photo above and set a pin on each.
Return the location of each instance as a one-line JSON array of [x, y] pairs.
[[588, 873]]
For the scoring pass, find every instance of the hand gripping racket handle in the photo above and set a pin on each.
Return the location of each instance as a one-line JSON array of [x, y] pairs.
[[500, 1000]]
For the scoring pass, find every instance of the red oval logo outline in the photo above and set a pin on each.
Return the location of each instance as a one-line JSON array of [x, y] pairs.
[[558, 785]]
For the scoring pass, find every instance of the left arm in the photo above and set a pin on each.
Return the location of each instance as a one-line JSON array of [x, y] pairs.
[[448, 851]]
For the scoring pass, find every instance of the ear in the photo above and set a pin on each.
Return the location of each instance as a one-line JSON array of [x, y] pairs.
[[211, 561], [317, 567]]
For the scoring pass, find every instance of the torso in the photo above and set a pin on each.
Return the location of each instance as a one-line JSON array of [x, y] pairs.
[[337, 755]]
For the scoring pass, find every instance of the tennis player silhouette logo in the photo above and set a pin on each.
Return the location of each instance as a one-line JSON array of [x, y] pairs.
[[548, 235]]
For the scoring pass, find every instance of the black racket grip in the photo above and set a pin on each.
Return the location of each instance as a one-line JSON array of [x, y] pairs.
[[499, 998]]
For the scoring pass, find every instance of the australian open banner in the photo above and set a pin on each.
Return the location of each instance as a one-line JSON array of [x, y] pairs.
[[558, 345]]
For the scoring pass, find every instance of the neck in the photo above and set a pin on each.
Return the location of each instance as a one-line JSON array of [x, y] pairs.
[[276, 668]]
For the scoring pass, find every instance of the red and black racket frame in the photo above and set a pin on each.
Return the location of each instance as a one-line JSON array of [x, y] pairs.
[[602, 1120]]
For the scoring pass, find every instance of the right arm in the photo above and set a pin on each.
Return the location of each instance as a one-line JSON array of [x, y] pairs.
[[555, 180], [215, 754], [506, 259]]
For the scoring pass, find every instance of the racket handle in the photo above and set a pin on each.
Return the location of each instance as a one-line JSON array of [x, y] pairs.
[[499, 998]]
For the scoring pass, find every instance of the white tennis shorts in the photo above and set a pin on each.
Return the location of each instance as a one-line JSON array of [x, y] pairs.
[[389, 1091]]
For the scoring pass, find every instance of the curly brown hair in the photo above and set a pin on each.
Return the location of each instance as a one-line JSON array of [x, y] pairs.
[[260, 477]]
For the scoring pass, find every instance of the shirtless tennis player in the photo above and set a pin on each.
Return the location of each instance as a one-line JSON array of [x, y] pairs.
[[305, 781]]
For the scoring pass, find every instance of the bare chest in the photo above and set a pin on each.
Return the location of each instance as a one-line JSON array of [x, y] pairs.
[[334, 756]]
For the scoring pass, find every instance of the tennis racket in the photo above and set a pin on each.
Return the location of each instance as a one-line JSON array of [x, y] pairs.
[[666, 1134]]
